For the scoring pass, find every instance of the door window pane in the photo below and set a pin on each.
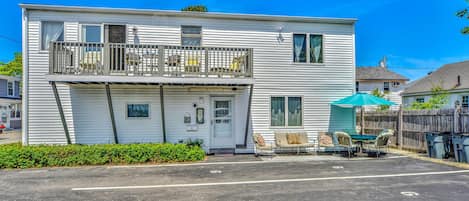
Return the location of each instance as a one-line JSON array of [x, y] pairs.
[[91, 33], [277, 111], [191, 35], [138, 110], [295, 116], [51, 31], [315, 49], [299, 48]]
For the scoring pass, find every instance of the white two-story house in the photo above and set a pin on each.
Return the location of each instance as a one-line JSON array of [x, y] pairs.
[[10, 102], [387, 82], [107, 75]]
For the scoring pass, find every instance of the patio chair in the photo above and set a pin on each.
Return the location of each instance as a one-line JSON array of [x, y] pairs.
[[344, 140], [381, 142], [262, 148]]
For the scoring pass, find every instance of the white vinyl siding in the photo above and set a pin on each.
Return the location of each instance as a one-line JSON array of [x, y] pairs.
[[274, 71]]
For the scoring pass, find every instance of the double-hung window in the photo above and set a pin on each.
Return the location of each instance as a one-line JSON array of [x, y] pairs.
[[191, 35], [51, 31], [10, 88], [386, 87], [286, 111], [308, 48], [138, 110], [465, 102]]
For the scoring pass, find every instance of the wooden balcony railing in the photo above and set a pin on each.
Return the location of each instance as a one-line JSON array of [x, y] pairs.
[[78, 58]]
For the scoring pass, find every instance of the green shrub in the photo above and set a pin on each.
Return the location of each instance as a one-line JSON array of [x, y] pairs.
[[18, 156]]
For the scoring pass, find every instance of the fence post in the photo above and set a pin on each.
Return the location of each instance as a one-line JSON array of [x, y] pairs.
[[400, 126], [457, 118]]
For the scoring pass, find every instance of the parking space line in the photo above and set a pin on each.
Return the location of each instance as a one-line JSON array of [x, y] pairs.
[[269, 181]]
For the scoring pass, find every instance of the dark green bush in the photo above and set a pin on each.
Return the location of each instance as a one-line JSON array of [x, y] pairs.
[[17, 156]]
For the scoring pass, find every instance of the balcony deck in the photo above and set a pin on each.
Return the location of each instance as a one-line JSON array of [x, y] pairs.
[[130, 63]]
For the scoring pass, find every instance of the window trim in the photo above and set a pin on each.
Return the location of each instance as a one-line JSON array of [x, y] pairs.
[[191, 35], [40, 34], [126, 108], [308, 62], [384, 87], [12, 88], [286, 112]]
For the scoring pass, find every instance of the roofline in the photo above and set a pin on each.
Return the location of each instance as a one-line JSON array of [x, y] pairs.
[[377, 79], [10, 77], [234, 16], [422, 93]]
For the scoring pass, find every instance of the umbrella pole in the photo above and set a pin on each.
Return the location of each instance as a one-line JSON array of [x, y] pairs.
[[362, 121]]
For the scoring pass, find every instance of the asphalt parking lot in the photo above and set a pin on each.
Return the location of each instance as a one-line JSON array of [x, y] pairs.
[[397, 178]]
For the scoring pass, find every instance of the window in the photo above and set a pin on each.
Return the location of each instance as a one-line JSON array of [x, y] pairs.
[[396, 84], [311, 43], [357, 86], [138, 110], [299, 48], [465, 102], [91, 33], [10, 88], [386, 87], [286, 108], [315, 48], [51, 31], [191, 35], [420, 100]]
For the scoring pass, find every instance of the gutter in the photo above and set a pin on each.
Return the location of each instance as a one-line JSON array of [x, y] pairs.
[[25, 97], [234, 16], [424, 93]]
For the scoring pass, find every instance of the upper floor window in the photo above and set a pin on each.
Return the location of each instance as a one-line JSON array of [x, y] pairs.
[[396, 84], [51, 31], [91, 33], [286, 111], [386, 87], [10, 89], [308, 48], [357, 86], [465, 102], [191, 35], [420, 100]]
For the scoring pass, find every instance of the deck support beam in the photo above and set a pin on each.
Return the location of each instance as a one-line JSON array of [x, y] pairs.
[[61, 112], [111, 113], [248, 116], [163, 125]]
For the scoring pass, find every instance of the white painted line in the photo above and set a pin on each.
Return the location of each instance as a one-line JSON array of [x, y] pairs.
[[392, 157], [269, 181]]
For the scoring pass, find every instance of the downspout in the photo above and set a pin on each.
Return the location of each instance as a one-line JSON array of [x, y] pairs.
[[25, 96]]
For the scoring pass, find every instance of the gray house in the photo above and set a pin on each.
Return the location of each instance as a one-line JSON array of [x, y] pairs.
[[10, 101], [451, 77]]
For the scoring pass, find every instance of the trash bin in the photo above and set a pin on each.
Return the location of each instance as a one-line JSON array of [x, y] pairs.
[[461, 147], [438, 144]]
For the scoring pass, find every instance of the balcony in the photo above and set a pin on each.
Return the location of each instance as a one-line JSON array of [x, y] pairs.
[[116, 62]]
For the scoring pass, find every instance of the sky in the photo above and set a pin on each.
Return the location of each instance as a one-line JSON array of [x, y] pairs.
[[417, 36]]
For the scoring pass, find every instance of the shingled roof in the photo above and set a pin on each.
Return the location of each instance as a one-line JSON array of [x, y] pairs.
[[377, 73], [446, 77]]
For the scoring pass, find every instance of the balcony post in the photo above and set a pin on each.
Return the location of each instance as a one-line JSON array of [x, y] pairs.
[[161, 59], [51, 58], [106, 58], [61, 112], [206, 62], [251, 62]]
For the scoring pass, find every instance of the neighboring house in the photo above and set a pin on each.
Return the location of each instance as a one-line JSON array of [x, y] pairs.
[[386, 81], [451, 77], [10, 101], [102, 75]]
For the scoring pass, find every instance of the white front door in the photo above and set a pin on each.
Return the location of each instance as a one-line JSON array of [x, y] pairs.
[[222, 122]]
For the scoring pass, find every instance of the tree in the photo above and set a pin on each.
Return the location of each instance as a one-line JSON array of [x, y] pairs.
[[195, 8], [438, 99], [464, 14], [378, 94], [14, 67]]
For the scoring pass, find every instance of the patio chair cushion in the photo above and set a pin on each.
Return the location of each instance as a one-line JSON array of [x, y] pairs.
[[260, 140], [281, 139], [192, 61], [325, 139], [293, 138]]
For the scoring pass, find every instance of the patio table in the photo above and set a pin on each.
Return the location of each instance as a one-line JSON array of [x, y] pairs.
[[360, 139]]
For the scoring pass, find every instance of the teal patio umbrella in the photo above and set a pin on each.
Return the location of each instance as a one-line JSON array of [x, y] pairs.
[[360, 100]]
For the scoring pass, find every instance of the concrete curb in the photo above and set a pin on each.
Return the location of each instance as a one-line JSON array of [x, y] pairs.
[[433, 160]]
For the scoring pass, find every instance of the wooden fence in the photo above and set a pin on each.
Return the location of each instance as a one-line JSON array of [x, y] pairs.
[[410, 126]]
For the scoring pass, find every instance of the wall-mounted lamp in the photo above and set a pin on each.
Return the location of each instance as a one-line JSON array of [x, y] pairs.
[[134, 30], [280, 36]]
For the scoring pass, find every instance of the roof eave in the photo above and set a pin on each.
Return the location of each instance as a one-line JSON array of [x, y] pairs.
[[350, 21]]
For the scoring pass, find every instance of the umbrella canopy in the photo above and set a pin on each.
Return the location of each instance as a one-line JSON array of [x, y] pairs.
[[361, 99]]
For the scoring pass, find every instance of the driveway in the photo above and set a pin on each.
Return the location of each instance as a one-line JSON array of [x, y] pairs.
[[395, 178], [12, 136]]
